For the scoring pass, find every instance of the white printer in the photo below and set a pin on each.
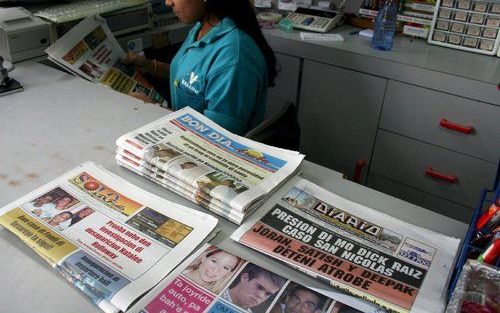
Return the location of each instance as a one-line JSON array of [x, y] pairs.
[[22, 35]]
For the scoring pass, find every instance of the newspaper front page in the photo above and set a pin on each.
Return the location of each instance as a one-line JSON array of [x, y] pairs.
[[399, 266], [91, 51], [188, 153], [218, 280], [112, 240]]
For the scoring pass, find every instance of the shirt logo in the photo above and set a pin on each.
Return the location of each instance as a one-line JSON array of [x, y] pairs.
[[191, 82], [193, 78]]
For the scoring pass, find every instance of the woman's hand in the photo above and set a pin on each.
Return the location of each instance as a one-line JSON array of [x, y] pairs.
[[140, 63]]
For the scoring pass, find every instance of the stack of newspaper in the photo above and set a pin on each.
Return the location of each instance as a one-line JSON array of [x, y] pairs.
[[235, 285], [396, 265], [89, 50], [192, 156], [112, 240]]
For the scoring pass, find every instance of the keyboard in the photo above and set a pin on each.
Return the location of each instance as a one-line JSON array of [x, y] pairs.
[[81, 9], [314, 20]]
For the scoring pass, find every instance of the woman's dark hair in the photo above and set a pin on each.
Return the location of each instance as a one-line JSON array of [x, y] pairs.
[[243, 15]]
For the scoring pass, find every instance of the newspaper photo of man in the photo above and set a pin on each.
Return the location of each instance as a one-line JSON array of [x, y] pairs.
[[299, 299], [252, 287]]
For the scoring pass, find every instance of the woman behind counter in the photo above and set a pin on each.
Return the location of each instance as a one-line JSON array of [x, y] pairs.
[[224, 66]]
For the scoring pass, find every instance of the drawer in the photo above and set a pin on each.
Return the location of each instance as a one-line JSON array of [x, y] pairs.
[[424, 199], [407, 161], [417, 112]]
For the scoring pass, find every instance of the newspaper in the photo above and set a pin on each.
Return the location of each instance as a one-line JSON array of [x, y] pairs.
[[110, 239], [90, 50], [217, 280], [399, 266], [194, 157], [183, 190]]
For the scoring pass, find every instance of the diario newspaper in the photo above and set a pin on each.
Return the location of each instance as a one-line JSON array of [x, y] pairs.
[[112, 240], [90, 50], [399, 266], [217, 280], [194, 157]]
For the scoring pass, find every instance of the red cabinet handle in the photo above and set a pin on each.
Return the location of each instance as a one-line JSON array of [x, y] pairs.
[[357, 170], [447, 178], [456, 127]]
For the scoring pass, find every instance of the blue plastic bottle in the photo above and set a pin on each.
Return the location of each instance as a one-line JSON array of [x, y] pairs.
[[385, 25]]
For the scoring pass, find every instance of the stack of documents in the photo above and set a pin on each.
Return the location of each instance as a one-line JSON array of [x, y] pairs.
[[110, 239], [192, 156]]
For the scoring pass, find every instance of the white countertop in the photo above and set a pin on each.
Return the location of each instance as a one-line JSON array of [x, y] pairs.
[[60, 121]]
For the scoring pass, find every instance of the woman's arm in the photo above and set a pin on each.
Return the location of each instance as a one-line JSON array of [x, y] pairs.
[[151, 67]]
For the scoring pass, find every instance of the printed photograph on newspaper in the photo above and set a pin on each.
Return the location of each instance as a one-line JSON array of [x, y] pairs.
[[401, 267], [108, 238], [216, 280]]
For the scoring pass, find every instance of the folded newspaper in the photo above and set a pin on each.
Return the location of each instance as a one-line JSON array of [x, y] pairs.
[[109, 238], [90, 50], [216, 280], [399, 266], [192, 156]]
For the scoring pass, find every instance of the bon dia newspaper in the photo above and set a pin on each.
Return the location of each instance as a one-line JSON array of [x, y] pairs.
[[187, 153]]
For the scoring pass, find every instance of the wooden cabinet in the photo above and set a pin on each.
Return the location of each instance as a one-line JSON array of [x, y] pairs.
[[338, 112]]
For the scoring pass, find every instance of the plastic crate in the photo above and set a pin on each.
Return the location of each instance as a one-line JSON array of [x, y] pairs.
[[488, 197]]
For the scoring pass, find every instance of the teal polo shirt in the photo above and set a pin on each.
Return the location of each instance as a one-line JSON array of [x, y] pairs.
[[223, 76]]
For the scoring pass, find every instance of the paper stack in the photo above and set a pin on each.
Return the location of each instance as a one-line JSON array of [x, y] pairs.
[[192, 156]]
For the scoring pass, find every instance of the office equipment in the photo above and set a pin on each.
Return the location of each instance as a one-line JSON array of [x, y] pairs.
[[315, 20], [22, 35], [7, 84], [121, 20], [81, 9]]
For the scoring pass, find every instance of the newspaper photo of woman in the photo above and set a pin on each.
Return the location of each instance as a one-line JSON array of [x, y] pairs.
[[213, 269], [61, 221]]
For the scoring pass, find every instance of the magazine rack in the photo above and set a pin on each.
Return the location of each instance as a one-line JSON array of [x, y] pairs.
[[488, 196]]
